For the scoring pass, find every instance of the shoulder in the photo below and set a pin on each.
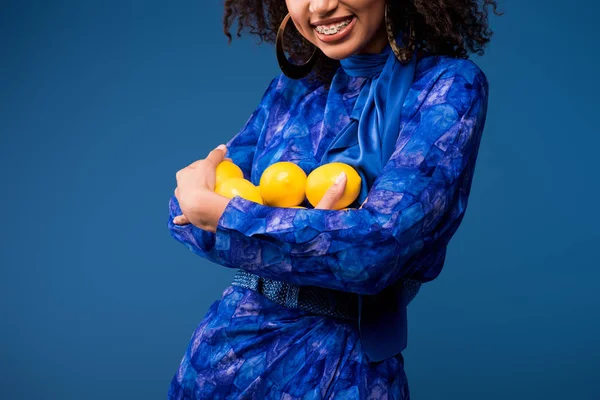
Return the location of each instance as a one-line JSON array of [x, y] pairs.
[[288, 90], [445, 67], [298, 86], [442, 79]]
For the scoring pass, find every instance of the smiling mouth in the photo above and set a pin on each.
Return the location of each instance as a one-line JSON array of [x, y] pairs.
[[332, 29]]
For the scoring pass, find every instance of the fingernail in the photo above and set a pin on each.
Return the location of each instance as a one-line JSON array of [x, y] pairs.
[[221, 147], [339, 178]]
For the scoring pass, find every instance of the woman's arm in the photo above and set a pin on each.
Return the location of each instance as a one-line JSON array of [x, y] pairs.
[[240, 149], [416, 203]]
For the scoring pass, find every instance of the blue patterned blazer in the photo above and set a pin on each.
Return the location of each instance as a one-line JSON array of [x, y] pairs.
[[403, 228]]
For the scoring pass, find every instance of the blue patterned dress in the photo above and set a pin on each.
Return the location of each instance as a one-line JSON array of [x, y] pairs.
[[248, 347]]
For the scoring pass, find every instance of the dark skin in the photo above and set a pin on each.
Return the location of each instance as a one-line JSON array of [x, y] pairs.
[[452, 27]]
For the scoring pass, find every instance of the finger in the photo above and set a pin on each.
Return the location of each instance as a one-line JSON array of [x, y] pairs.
[[181, 220], [194, 165], [214, 157], [333, 194], [217, 155]]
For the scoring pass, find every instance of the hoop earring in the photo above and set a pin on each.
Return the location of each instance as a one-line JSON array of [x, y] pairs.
[[294, 71], [403, 54]]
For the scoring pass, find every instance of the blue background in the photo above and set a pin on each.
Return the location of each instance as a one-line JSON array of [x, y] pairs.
[[101, 102]]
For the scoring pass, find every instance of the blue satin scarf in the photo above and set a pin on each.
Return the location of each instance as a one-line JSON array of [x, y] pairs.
[[367, 143]]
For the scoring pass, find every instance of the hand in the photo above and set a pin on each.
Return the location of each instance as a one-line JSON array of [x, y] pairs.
[[191, 180]]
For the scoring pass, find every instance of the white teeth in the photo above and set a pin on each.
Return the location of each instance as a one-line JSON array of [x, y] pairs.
[[332, 29]]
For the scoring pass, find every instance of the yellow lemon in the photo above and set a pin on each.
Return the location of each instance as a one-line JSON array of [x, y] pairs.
[[225, 170], [239, 187], [323, 177], [297, 207], [282, 184]]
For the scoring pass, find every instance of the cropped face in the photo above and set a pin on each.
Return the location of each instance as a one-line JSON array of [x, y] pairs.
[[341, 28]]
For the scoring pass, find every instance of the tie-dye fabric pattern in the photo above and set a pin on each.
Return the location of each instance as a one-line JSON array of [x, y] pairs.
[[248, 347], [412, 210]]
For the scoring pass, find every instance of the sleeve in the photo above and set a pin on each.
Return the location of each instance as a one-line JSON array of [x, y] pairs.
[[417, 202], [240, 148]]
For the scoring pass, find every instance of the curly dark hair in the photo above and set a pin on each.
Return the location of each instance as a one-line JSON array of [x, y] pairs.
[[451, 27]]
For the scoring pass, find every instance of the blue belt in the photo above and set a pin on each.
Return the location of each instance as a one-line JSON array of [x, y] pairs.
[[381, 318], [329, 302], [317, 300]]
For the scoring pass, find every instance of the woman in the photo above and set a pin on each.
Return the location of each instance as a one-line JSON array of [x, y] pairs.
[[317, 309]]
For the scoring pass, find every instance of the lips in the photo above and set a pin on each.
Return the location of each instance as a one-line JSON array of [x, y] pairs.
[[330, 21], [339, 35]]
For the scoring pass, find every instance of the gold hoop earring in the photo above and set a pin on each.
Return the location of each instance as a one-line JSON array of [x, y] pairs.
[[294, 71], [403, 54]]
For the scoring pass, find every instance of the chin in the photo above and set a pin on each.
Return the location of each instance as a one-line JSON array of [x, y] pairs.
[[339, 52]]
